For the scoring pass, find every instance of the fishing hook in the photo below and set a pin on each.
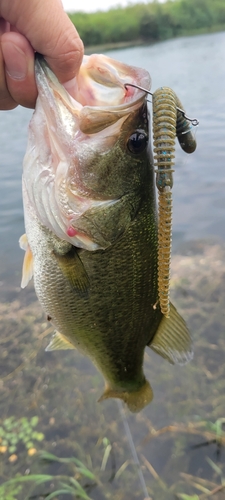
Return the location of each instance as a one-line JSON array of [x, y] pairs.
[[194, 121]]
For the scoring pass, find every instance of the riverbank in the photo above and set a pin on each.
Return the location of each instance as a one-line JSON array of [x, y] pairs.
[[149, 23], [101, 48]]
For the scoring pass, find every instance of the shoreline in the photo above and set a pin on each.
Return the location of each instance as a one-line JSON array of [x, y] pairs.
[[91, 49]]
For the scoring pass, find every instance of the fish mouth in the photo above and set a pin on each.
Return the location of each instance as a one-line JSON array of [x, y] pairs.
[[101, 97], [74, 145]]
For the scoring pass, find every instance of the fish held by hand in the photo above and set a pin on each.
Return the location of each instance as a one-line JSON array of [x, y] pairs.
[[91, 225]]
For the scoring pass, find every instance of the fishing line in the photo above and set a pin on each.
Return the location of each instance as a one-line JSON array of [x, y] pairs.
[[169, 121], [133, 449]]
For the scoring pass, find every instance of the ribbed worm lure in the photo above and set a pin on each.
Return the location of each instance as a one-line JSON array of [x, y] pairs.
[[169, 121]]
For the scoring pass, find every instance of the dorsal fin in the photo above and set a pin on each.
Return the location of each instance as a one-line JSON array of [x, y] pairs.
[[172, 340]]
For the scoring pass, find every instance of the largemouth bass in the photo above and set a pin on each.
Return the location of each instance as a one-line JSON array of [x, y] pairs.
[[91, 225]]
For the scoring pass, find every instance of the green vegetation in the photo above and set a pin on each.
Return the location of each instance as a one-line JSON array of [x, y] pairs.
[[78, 481], [65, 485], [15, 432], [152, 22]]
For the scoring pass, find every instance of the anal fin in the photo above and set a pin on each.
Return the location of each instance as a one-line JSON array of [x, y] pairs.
[[59, 343], [172, 340]]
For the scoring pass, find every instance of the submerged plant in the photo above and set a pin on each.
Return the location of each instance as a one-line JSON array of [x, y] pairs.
[[9, 492], [207, 488], [14, 432], [182, 496], [216, 427], [66, 485]]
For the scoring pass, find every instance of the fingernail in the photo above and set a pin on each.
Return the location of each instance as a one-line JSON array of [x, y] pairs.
[[15, 61]]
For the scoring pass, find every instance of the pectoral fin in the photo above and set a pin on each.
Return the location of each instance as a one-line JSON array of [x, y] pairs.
[[73, 269], [59, 343], [27, 271], [172, 340]]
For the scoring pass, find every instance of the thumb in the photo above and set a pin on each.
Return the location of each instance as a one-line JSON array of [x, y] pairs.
[[49, 31]]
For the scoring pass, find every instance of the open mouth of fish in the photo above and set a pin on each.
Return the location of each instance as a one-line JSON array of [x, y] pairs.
[[101, 96], [68, 135]]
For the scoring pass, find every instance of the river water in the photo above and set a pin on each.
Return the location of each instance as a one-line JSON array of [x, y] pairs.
[[195, 68]]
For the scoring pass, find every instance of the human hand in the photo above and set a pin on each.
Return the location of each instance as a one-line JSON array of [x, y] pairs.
[[27, 26]]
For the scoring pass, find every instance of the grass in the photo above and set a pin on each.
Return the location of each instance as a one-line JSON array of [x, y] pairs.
[[73, 485], [66, 485]]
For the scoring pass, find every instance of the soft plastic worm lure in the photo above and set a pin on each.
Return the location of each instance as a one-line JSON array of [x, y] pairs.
[[169, 121]]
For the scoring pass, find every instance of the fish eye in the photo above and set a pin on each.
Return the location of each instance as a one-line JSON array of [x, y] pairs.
[[137, 142]]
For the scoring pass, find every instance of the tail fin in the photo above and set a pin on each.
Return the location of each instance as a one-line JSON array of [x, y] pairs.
[[135, 400]]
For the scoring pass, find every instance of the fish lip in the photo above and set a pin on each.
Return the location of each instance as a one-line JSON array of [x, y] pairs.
[[48, 82], [46, 79]]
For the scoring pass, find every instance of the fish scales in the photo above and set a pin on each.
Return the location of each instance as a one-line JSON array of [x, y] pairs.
[[119, 300], [97, 284]]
